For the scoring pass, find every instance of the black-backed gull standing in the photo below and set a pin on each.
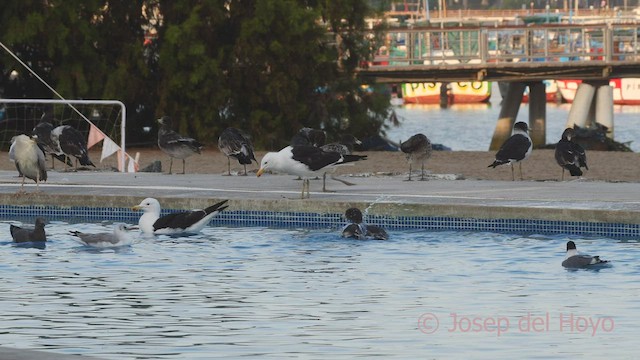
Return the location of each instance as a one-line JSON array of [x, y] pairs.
[[235, 143], [20, 235], [575, 260], [174, 144], [357, 229], [72, 143], [29, 160], [185, 222], [304, 161], [570, 155], [119, 237], [518, 147], [417, 149]]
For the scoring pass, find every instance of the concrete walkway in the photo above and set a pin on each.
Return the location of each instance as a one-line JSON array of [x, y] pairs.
[[571, 200]]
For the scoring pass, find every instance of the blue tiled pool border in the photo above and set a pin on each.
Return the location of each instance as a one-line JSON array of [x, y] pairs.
[[300, 220]]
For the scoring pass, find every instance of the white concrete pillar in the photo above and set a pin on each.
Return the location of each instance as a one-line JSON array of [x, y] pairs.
[[579, 112], [604, 108]]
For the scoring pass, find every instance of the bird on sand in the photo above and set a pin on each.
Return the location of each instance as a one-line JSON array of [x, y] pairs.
[[575, 260], [309, 137], [174, 144], [344, 147], [43, 131], [304, 161], [20, 235], [119, 237], [418, 149], [570, 155], [29, 160], [72, 144], [516, 148], [234, 143], [178, 223], [357, 229]]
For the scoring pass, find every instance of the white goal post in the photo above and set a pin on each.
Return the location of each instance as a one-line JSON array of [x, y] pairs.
[[109, 116]]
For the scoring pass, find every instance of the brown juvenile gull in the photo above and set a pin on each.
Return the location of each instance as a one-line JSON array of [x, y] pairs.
[[357, 229], [344, 147], [418, 149], [234, 143], [174, 144], [20, 235]]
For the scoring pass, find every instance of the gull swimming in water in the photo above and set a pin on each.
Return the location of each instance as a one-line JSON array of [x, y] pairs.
[[575, 260], [357, 229], [119, 237], [185, 222], [20, 235]]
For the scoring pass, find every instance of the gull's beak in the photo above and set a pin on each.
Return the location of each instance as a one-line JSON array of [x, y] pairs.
[[136, 208], [260, 171]]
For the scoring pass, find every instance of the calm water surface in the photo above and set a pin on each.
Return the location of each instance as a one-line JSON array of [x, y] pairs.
[[469, 127], [265, 293]]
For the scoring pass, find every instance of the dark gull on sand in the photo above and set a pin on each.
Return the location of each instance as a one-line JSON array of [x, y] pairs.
[[304, 161], [174, 144], [516, 148], [309, 137], [570, 155], [178, 223], [234, 143]]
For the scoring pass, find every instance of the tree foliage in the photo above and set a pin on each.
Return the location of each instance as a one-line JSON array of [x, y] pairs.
[[269, 67]]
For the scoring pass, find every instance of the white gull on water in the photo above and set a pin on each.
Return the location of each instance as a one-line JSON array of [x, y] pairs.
[[178, 223]]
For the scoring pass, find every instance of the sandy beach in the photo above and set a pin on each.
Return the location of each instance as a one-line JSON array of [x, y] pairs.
[[541, 166]]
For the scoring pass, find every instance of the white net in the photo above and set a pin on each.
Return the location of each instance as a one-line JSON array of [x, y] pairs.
[[21, 116]]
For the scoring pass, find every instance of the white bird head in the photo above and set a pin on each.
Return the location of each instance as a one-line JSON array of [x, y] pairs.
[[266, 163], [148, 205]]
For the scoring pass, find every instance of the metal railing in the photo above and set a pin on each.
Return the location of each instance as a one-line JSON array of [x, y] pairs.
[[509, 44]]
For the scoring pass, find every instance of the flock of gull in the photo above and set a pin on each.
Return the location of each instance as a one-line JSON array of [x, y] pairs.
[[308, 156]]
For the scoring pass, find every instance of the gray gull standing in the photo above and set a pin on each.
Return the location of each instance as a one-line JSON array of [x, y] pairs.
[[570, 155], [174, 144], [304, 161], [518, 147], [20, 235], [29, 160], [418, 149], [234, 143], [119, 237], [185, 222], [575, 260]]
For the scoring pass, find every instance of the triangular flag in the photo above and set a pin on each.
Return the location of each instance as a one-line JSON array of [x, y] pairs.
[[133, 163], [95, 136], [108, 148]]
